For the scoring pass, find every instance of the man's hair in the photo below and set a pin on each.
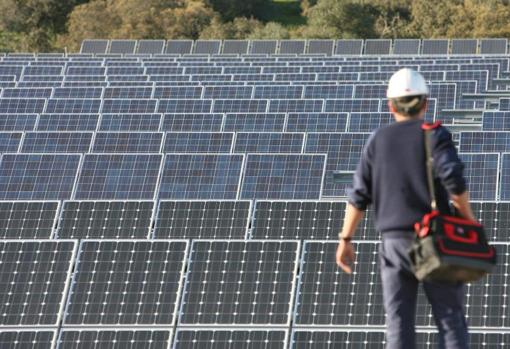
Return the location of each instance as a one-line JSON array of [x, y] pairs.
[[409, 105]]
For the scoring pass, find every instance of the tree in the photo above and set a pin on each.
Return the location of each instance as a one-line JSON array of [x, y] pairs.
[[230, 9], [432, 18], [271, 30], [239, 28], [341, 19], [137, 19]]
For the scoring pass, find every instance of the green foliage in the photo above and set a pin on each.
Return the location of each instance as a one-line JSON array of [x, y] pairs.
[[239, 28], [229, 9], [11, 42], [271, 30]]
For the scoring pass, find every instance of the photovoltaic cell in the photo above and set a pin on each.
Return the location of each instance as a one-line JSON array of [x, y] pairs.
[[38, 339], [180, 92], [184, 106], [21, 105], [67, 122], [368, 122], [283, 176], [187, 338], [343, 154], [27, 219], [268, 142], [37, 274], [295, 105], [73, 106], [319, 220], [10, 141], [26, 92], [352, 105], [231, 92], [37, 176], [316, 122], [99, 338], [495, 217], [118, 176], [127, 142], [481, 172], [219, 219], [239, 282], [201, 176], [192, 122], [275, 91], [78, 92], [105, 219], [483, 142], [129, 106], [127, 92], [56, 142], [254, 122], [130, 122], [17, 122], [329, 91], [198, 142], [144, 277], [240, 105]]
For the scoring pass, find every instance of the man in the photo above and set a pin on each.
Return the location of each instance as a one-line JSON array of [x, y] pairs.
[[392, 177]]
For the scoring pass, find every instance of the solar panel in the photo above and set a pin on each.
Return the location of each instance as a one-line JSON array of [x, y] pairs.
[[42, 70], [150, 46], [35, 339], [406, 47], [219, 219], [343, 153], [352, 105], [118, 177], [192, 122], [21, 105], [130, 106], [235, 47], [94, 46], [56, 142], [27, 219], [185, 106], [368, 122], [36, 275], [292, 47], [210, 47], [114, 338], [295, 105], [268, 142], [464, 46], [198, 142], [37, 176], [67, 122], [224, 338], [483, 142], [201, 176], [481, 172], [320, 47], [232, 92], [17, 122], [493, 46], [377, 46], [77, 92], [10, 141], [280, 92], [333, 77], [283, 176], [143, 276], [26, 92], [478, 75], [297, 219], [240, 106], [504, 104], [88, 71], [496, 121], [182, 92], [128, 92], [329, 91], [239, 282], [316, 122], [127, 142], [348, 47], [73, 106], [130, 122], [262, 47], [251, 122], [105, 219]]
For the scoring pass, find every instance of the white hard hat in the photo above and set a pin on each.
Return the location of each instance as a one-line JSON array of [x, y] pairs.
[[406, 82]]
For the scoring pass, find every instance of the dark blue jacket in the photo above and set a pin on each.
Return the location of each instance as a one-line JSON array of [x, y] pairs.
[[392, 175]]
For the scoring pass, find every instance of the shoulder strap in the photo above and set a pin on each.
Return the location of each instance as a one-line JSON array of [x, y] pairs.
[[429, 161]]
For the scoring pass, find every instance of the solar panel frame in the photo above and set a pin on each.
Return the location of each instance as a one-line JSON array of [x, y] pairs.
[[377, 46], [79, 261], [169, 106], [240, 105], [127, 142], [193, 122], [105, 217], [165, 225], [59, 305], [317, 46], [84, 338], [292, 47], [235, 47], [150, 46], [198, 142], [191, 265], [67, 122], [44, 227], [482, 190], [406, 46], [262, 47], [129, 106], [268, 142], [130, 122], [74, 106], [94, 46], [18, 122], [348, 47], [26, 92], [494, 46], [247, 122], [464, 46], [209, 47], [22, 338], [22, 105]]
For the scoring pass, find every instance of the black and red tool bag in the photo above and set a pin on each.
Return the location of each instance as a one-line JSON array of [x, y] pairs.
[[448, 248]]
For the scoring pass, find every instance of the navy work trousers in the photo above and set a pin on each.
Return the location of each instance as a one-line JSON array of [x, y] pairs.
[[400, 288]]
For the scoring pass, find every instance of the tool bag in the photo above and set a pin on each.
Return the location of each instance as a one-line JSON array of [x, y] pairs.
[[448, 248]]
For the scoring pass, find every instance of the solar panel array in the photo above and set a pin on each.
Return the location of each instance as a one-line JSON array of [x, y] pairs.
[[163, 195]]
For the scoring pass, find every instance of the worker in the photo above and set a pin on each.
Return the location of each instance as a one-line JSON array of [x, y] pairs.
[[391, 176]]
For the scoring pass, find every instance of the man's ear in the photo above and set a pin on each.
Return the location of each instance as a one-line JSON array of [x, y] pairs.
[[391, 107]]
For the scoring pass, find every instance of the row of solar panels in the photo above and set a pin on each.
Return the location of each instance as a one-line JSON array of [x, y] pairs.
[[251, 176], [202, 219], [327, 47], [233, 282], [186, 338]]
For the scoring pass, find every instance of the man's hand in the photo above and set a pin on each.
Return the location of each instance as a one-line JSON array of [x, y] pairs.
[[345, 256]]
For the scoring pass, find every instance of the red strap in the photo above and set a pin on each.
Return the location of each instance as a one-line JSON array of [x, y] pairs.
[[427, 126]]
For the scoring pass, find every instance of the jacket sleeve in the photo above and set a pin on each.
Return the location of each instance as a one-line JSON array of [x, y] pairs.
[[447, 164], [360, 193]]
